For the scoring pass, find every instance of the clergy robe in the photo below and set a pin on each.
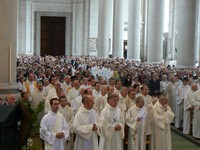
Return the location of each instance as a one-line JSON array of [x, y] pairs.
[[68, 114], [196, 117], [137, 129], [51, 124], [181, 91], [86, 138], [112, 139], [171, 95], [52, 94], [37, 96], [72, 94], [161, 127], [186, 113]]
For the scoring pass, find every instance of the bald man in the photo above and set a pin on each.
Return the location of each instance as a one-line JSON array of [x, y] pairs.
[[10, 100]]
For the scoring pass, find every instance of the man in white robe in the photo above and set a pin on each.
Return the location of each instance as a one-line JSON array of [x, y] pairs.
[[171, 93], [66, 84], [96, 91], [162, 118], [53, 128], [74, 92], [196, 117], [52, 81], [68, 114], [136, 119], [38, 94], [113, 125], [130, 99], [101, 100], [188, 107], [181, 91], [78, 101], [56, 92], [87, 125]]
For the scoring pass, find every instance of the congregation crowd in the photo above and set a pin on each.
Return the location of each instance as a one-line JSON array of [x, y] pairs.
[[94, 103]]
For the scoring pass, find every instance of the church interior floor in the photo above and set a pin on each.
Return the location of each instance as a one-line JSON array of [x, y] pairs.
[[183, 142]]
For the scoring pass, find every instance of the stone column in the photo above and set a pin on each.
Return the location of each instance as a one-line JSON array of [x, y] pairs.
[[197, 35], [155, 31], [8, 46], [77, 28], [185, 38], [172, 31], [103, 28], [118, 28], [134, 32]]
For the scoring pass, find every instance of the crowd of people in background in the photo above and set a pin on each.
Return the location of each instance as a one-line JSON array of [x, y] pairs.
[[107, 102]]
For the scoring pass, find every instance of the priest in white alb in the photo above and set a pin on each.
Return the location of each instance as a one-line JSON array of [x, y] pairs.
[[113, 125], [136, 119], [162, 118], [190, 94], [53, 128], [87, 125]]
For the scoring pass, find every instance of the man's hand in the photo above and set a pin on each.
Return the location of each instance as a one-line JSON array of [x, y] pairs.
[[94, 127], [59, 135], [118, 127], [165, 107], [139, 118]]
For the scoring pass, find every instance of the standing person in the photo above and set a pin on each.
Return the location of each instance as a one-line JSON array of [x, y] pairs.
[[87, 126], [171, 92], [154, 85], [136, 119], [56, 92], [29, 85], [74, 92], [196, 117], [38, 94], [68, 114], [189, 96], [181, 91], [53, 128], [113, 125], [162, 118]]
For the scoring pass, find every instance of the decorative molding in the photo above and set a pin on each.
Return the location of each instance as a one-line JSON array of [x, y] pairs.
[[93, 44]]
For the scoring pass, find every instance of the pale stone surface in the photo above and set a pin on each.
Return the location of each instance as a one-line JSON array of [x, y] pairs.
[[118, 28], [134, 22], [155, 31], [185, 32], [8, 40]]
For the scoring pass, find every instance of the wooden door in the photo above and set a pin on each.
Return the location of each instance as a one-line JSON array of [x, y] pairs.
[[52, 36]]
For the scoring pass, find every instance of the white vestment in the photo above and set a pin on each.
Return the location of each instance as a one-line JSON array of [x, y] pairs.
[[51, 124], [68, 114], [196, 117], [171, 95], [161, 127], [52, 94], [181, 91], [37, 96], [65, 88], [77, 103], [48, 88], [137, 129], [186, 113], [112, 139], [95, 93], [72, 94], [86, 138]]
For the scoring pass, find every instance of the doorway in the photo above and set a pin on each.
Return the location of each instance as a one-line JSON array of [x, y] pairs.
[[52, 36]]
